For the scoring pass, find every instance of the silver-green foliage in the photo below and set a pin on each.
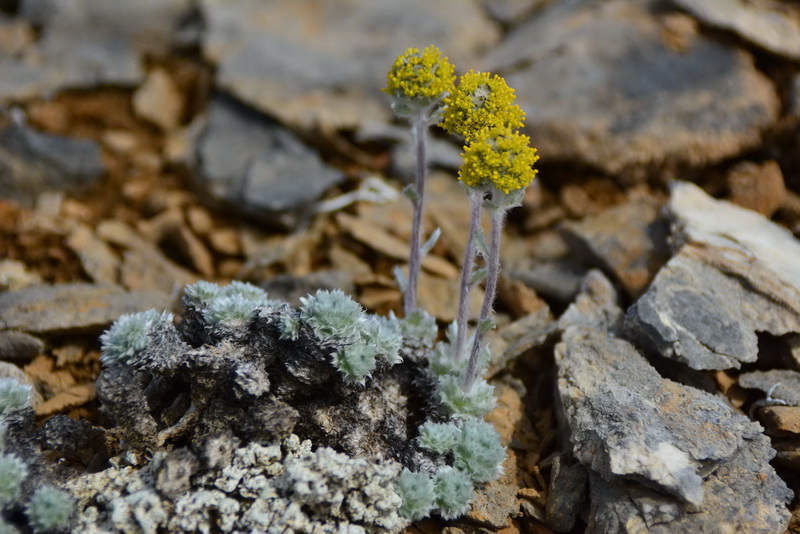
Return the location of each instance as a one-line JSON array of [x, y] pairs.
[[453, 489], [130, 334], [333, 315], [479, 452], [50, 510], [416, 490], [13, 395], [12, 472], [439, 437], [230, 311], [475, 401]]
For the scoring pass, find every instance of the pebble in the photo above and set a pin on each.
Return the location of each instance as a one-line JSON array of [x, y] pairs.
[[19, 346], [159, 101], [758, 187]]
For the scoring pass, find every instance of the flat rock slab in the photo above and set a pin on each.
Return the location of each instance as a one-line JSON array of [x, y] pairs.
[[736, 274], [84, 43], [313, 62], [780, 384], [628, 241], [72, 308], [32, 162], [774, 26], [258, 167], [614, 93], [634, 430]]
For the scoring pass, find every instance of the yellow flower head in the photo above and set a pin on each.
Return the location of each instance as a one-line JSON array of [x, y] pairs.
[[425, 76], [479, 103], [501, 158]]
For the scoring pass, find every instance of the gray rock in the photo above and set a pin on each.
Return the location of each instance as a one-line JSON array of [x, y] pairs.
[[566, 494], [628, 241], [32, 162], [770, 25], [612, 93], [83, 43], [740, 496], [559, 279], [316, 63], [781, 384], [736, 273], [259, 168], [19, 346], [596, 306], [637, 432], [512, 12], [70, 308]]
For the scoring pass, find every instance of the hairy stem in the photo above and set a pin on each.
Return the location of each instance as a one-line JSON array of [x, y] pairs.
[[497, 218], [420, 125], [476, 203]]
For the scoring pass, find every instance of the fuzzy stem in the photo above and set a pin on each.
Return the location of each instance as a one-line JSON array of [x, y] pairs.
[[476, 203], [497, 217], [420, 125]]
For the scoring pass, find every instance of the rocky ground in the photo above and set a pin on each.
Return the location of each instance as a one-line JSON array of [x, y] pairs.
[[648, 357]]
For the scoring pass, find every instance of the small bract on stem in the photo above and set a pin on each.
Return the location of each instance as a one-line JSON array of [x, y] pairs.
[[418, 82]]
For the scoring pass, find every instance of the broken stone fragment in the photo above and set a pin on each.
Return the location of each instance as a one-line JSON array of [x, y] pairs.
[[637, 432], [257, 167], [71, 308], [32, 162], [769, 25], [19, 346], [628, 241], [566, 494], [612, 93], [782, 385], [735, 273]]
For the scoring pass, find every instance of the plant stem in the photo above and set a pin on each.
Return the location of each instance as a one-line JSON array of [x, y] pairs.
[[420, 125], [497, 217], [476, 203]]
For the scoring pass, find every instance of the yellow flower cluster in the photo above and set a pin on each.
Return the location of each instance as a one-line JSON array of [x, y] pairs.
[[423, 76], [502, 157], [480, 103]]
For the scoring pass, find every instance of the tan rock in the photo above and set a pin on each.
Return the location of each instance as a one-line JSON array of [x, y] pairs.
[[159, 100]]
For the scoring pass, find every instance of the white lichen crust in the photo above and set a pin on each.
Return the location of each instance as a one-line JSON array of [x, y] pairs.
[[275, 488]]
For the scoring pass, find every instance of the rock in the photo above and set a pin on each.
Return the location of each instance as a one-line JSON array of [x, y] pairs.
[[496, 503], [735, 274], [514, 339], [439, 297], [780, 384], [258, 168], [628, 241], [159, 100], [391, 246], [596, 306], [566, 494], [15, 275], [558, 279], [312, 63], [32, 162], [83, 43], [97, 258], [511, 12], [19, 346], [144, 267], [634, 431], [781, 420], [72, 308], [611, 93], [740, 497], [772, 26], [757, 187]]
